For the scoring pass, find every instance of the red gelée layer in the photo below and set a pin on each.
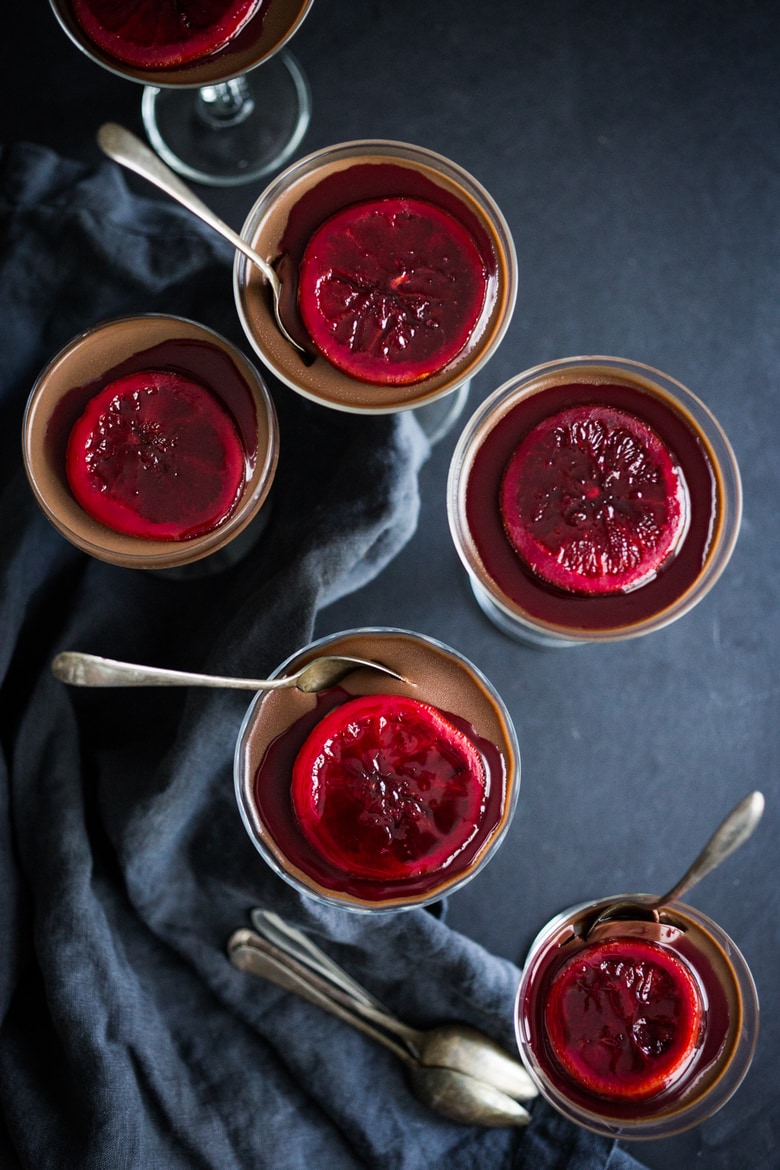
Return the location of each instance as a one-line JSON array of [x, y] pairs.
[[387, 788], [391, 290], [154, 455], [623, 1018], [593, 501], [163, 34]]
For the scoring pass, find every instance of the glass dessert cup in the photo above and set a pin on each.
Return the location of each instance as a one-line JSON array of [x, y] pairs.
[[107, 352], [518, 601], [278, 722], [222, 120], [296, 204], [722, 1049]]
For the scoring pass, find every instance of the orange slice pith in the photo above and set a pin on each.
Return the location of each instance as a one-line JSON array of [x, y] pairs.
[[162, 34], [593, 501]]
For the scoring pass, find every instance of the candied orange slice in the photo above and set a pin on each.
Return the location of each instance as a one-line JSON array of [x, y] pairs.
[[391, 290], [623, 1018], [387, 788], [593, 501], [156, 456]]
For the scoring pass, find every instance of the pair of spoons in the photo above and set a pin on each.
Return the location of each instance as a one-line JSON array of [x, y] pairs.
[[453, 1069]]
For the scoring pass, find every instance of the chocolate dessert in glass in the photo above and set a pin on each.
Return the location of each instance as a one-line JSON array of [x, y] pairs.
[[151, 442], [379, 794], [592, 499]]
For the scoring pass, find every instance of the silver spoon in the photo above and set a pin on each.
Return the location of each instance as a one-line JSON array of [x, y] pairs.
[[129, 151], [452, 1093], [89, 670], [456, 1046], [732, 832]]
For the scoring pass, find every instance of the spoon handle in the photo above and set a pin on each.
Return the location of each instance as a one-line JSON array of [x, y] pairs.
[[90, 670], [299, 946], [730, 834], [129, 151], [253, 955]]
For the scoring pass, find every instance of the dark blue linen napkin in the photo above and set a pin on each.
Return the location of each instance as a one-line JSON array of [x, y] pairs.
[[127, 1039]]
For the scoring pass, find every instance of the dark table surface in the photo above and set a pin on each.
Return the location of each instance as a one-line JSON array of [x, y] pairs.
[[634, 151]]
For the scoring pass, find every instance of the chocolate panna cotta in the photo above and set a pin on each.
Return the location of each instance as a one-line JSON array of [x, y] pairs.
[[162, 34], [151, 442], [398, 276], [637, 1028], [377, 796]]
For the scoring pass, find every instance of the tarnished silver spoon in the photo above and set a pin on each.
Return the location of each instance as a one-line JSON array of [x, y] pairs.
[[90, 670], [457, 1046], [129, 151], [732, 832], [450, 1092]]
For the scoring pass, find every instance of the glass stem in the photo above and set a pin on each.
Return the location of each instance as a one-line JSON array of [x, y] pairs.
[[226, 104]]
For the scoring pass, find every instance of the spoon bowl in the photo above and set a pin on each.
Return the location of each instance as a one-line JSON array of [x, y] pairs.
[[732, 832], [129, 151]]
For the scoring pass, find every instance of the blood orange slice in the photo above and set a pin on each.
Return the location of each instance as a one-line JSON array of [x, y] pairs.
[[623, 1018], [387, 788], [593, 501], [155, 455], [162, 34], [391, 290]]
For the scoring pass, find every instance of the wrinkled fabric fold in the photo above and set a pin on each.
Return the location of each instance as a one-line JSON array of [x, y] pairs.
[[126, 1036]]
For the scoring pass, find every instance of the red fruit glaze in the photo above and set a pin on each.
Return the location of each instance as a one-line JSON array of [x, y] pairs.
[[623, 1018], [162, 34], [387, 788], [391, 290], [156, 456], [593, 501]]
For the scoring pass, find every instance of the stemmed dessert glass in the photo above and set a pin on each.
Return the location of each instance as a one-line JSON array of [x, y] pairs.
[[722, 1039], [276, 725], [220, 120], [544, 609], [323, 186]]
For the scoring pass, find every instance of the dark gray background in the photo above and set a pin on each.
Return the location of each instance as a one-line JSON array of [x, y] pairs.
[[634, 150]]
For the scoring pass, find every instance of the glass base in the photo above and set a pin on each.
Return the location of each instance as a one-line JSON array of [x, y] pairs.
[[514, 627], [439, 417], [231, 133]]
